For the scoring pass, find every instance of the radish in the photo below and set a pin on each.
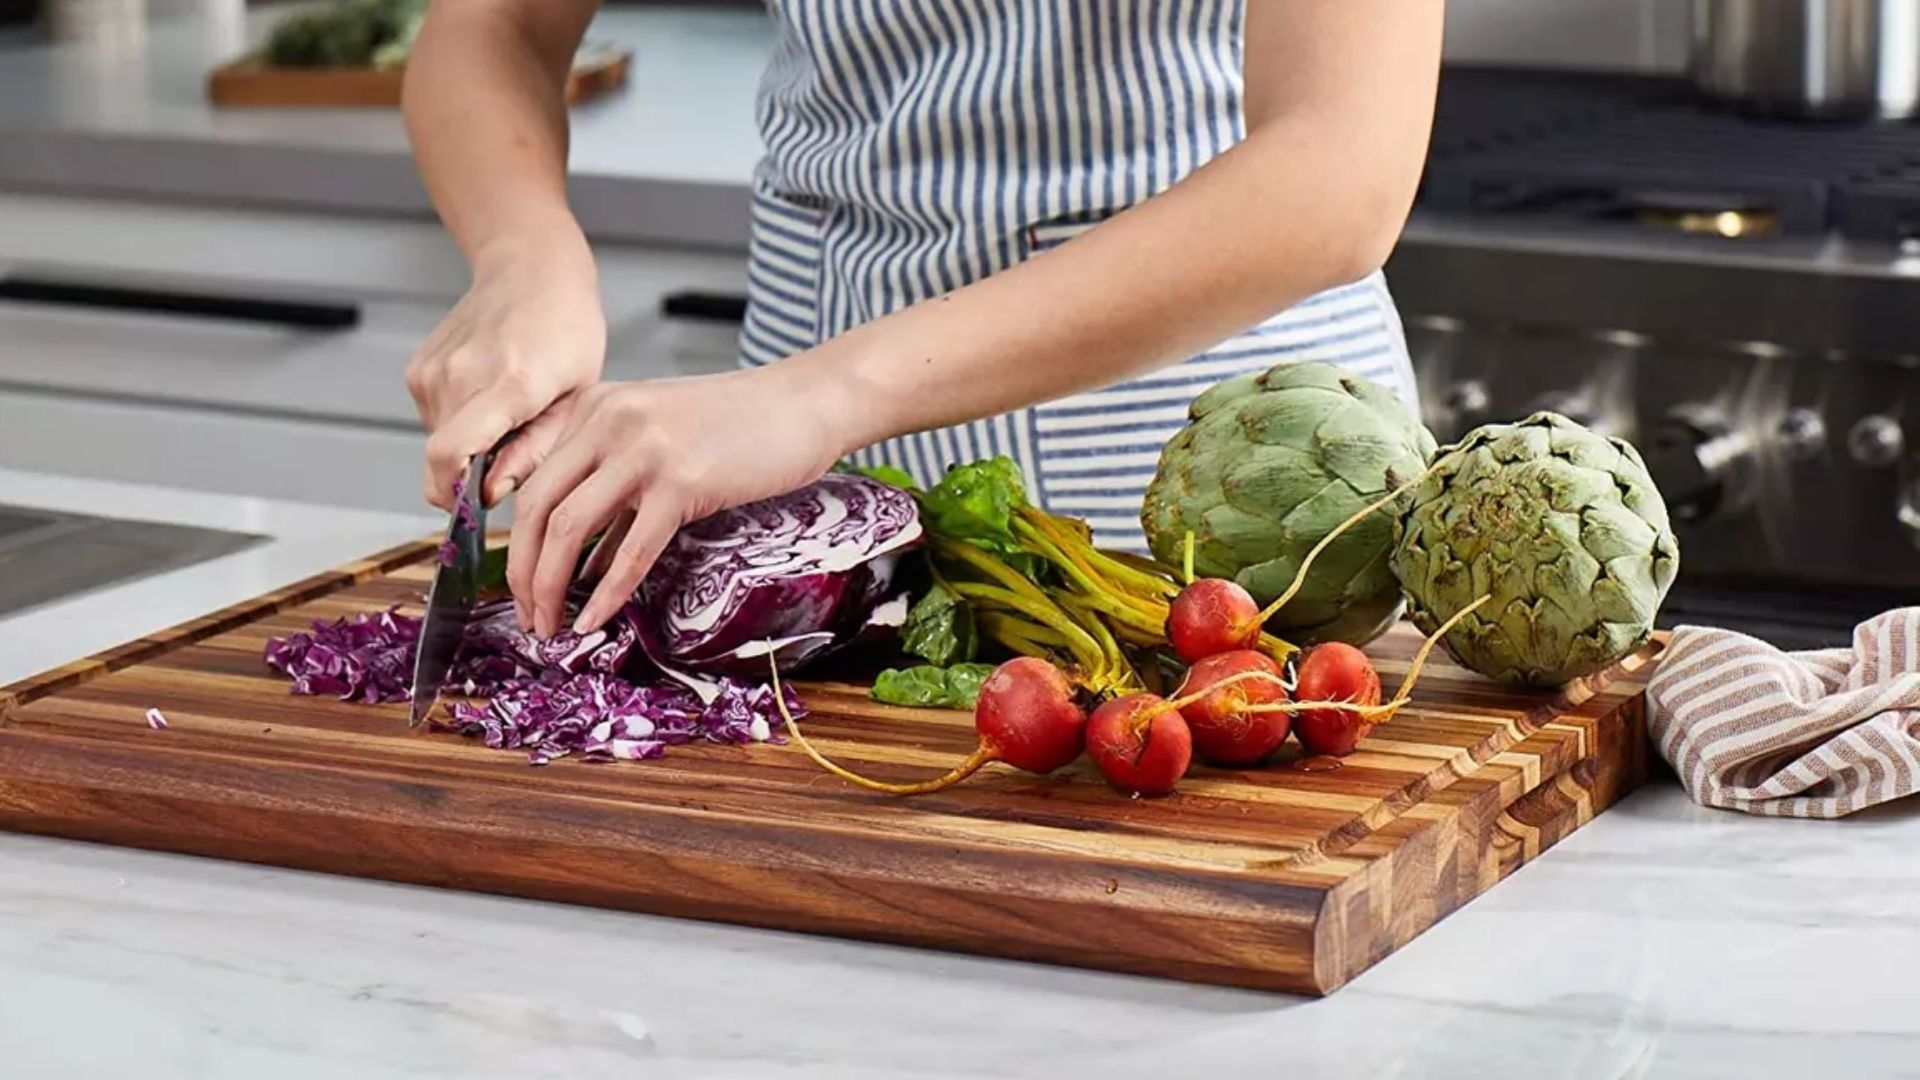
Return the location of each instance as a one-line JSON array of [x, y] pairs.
[[1224, 731], [1335, 672], [1211, 616], [1028, 716], [1140, 744]]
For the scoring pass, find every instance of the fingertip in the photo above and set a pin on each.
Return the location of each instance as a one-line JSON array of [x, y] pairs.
[[501, 490]]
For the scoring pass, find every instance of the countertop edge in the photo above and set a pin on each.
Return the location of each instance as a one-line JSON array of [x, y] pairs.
[[611, 209]]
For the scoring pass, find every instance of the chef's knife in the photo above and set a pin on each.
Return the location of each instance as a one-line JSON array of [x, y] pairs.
[[456, 586]]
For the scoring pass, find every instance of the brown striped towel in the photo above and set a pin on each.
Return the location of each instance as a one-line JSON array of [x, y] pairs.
[[1811, 734]]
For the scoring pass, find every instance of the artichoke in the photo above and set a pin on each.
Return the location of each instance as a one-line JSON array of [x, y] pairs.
[[1270, 464], [1561, 526]]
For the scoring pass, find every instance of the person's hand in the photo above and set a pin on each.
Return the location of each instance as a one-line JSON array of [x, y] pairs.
[[529, 332], [643, 458]]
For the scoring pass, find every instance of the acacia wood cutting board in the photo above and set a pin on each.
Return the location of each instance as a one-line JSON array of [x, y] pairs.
[[1274, 878]]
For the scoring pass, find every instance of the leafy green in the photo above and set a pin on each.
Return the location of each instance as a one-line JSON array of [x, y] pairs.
[[886, 474], [976, 503], [940, 629], [346, 33], [956, 687]]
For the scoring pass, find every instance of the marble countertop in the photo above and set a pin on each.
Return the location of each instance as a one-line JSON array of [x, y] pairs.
[[1662, 940], [124, 114]]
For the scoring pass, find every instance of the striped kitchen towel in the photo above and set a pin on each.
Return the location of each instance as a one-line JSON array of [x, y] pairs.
[[1810, 734]]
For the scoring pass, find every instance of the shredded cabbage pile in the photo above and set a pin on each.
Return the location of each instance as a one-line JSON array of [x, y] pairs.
[[553, 698]]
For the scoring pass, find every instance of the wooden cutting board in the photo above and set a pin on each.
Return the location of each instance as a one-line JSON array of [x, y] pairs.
[[598, 69], [1275, 878]]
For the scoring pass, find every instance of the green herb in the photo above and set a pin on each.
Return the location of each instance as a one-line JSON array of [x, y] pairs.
[[886, 474], [956, 687], [347, 33], [940, 628], [977, 503]]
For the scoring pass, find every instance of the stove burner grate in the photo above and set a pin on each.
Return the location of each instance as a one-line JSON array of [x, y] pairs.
[[1601, 147]]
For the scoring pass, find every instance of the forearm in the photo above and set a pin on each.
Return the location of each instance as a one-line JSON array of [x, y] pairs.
[[1273, 221], [486, 112]]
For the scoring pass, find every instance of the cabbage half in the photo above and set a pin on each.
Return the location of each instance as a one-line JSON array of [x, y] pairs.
[[795, 576]]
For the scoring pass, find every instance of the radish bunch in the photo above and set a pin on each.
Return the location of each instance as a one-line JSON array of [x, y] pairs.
[[1235, 706]]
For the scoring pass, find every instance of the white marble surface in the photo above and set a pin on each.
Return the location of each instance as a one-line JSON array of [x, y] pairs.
[[1663, 940]]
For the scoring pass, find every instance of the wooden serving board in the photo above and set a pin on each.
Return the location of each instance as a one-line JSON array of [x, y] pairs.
[[1274, 878], [598, 69]]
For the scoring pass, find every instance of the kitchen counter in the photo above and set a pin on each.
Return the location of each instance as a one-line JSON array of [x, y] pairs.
[[1661, 940], [666, 160]]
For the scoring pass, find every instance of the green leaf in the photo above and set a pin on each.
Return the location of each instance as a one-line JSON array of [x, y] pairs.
[[964, 682], [976, 503], [956, 687], [940, 629], [493, 570], [887, 474]]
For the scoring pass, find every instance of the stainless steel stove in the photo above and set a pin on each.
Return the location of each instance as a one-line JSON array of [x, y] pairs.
[[1739, 298], [47, 556]]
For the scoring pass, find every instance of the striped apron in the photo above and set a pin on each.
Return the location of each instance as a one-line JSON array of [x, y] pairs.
[[913, 146]]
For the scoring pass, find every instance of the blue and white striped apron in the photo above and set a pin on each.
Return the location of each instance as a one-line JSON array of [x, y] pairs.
[[913, 146]]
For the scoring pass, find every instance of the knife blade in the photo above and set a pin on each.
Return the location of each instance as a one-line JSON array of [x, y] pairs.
[[455, 588]]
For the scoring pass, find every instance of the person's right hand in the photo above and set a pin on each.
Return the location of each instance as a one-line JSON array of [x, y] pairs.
[[529, 332]]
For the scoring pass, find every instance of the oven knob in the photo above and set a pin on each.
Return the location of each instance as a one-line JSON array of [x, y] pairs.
[[1908, 512], [1876, 441], [1802, 433], [1700, 462]]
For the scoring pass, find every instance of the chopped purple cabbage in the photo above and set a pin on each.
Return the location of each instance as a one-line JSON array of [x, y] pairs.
[[449, 551], [556, 697], [606, 718]]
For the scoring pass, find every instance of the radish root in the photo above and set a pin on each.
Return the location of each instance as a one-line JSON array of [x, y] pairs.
[[980, 756], [1300, 577], [1386, 710]]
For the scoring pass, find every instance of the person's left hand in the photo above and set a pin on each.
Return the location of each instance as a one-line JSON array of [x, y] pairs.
[[642, 459]]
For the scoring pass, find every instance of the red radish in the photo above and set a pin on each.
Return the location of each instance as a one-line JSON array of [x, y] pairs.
[[1212, 616], [1224, 732], [1335, 672], [1028, 716], [1140, 744]]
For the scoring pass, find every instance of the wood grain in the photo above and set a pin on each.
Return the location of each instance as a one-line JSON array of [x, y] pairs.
[[249, 82], [1272, 878]]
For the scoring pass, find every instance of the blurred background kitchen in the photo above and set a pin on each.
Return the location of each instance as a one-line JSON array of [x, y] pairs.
[[1696, 226]]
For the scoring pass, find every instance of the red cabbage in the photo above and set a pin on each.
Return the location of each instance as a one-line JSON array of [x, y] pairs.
[[606, 718], [449, 551], [795, 575], [555, 697], [366, 658]]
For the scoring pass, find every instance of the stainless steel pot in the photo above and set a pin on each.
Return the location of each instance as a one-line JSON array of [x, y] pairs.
[[1837, 59]]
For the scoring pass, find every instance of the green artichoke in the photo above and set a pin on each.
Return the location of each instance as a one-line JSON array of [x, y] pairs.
[[1562, 527], [1272, 463]]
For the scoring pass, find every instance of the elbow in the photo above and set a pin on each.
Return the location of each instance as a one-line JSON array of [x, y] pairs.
[[1366, 235]]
